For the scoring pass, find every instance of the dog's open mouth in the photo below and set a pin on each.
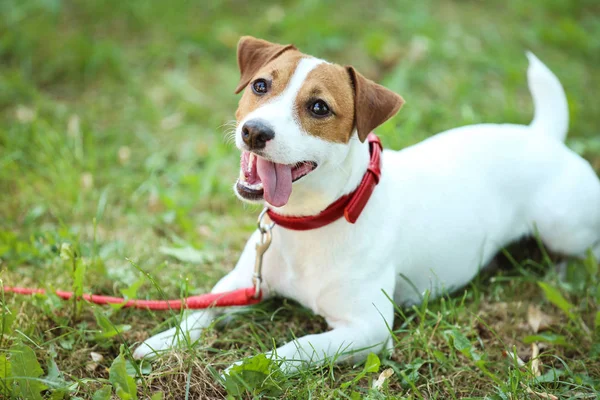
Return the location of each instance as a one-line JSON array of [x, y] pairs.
[[261, 178]]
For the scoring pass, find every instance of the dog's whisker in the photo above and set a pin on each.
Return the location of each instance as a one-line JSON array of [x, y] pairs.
[[229, 139], [228, 124]]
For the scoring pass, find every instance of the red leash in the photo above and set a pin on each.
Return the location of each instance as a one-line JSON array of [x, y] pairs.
[[240, 297]]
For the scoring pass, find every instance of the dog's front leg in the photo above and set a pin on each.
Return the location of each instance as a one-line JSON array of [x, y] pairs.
[[190, 329], [349, 343], [361, 321]]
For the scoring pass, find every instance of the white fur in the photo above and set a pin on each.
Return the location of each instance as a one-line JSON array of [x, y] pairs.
[[442, 210], [550, 103]]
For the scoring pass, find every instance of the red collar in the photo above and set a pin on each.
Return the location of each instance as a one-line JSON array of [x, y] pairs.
[[350, 206]]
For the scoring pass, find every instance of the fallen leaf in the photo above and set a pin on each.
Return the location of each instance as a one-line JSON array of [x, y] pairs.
[[24, 114], [535, 359], [378, 384], [513, 358], [124, 154], [91, 366], [537, 320], [542, 395], [97, 357], [204, 230], [87, 180], [74, 127], [171, 121], [154, 204]]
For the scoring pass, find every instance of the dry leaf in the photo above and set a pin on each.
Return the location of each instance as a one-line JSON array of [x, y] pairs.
[[514, 357], [154, 203], [96, 358], [537, 320], [204, 230], [171, 121], [24, 114], [91, 366], [542, 395], [535, 359], [74, 127], [124, 154], [378, 384], [87, 180]]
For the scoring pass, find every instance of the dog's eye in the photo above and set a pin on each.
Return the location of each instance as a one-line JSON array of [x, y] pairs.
[[260, 86], [319, 108]]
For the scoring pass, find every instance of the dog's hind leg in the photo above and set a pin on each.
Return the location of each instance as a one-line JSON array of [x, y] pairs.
[[191, 327], [567, 212]]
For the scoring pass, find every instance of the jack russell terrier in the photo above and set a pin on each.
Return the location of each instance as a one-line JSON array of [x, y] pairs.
[[356, 226]]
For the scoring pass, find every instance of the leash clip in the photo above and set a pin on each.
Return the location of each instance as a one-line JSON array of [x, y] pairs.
[[261, 248]]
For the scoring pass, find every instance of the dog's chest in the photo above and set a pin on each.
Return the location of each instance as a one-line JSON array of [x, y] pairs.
[[304, 266]]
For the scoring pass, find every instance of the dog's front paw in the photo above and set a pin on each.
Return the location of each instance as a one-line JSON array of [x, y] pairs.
[[163, 342], [186, 334], [157, 344]]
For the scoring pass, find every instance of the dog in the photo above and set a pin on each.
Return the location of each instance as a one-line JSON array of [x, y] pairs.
[[428, 218]]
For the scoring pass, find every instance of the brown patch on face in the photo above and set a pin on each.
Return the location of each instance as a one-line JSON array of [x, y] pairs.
[[331, 84], [277, 73]]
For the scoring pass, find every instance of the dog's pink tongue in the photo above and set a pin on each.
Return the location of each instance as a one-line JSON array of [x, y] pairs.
[[276, 180]]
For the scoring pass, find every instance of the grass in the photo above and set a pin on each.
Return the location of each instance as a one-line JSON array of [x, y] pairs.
[[112, 119]]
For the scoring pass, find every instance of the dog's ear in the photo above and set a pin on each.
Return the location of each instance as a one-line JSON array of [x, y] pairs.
[[373, 103], [252, 54]]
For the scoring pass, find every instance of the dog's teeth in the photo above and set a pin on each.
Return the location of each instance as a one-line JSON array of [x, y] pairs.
[[242, 177], [250, 161], [252, 186]]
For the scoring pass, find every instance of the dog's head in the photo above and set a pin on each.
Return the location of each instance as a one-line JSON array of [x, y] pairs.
[[297, 120]]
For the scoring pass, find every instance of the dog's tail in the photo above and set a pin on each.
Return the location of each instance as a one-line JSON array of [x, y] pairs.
[[551, 109]]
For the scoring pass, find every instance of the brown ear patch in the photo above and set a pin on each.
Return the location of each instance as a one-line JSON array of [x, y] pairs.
[[278, 72], [373, 103], [253, 54], [330, 83]]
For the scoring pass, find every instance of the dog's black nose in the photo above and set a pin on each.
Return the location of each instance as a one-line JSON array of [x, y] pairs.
[[256, 133]]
